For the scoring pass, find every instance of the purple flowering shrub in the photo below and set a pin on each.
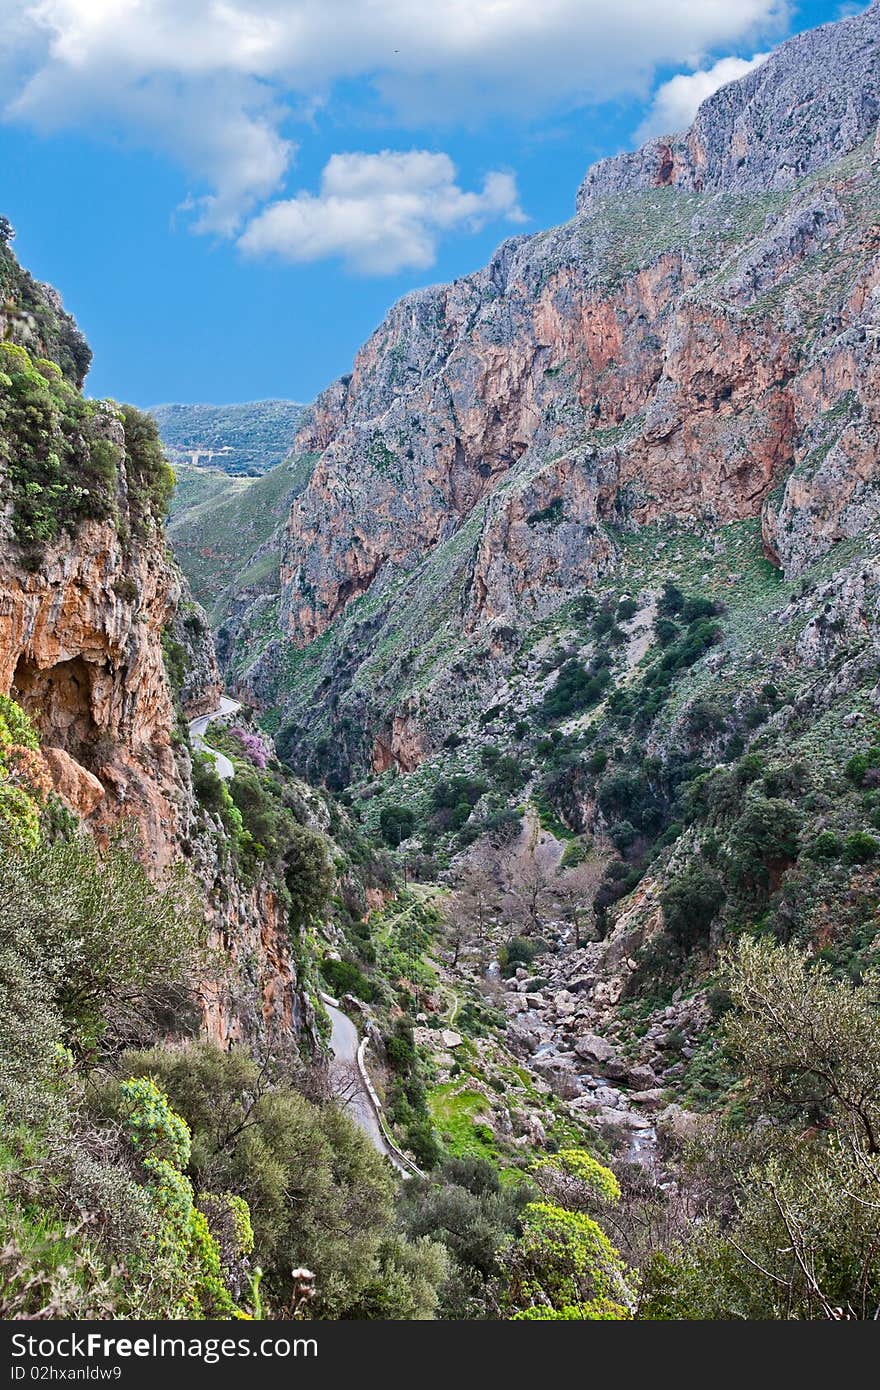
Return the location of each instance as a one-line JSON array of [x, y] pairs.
[[253, 746]]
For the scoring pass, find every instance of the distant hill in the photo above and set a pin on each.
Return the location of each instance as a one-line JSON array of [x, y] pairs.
[[249, 438], [225, 530]]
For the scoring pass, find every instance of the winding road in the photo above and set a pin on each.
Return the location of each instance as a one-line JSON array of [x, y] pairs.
[[199, 727], [345, 1069], [348, 1084]]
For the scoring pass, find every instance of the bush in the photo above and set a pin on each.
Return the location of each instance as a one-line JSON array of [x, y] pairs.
[[344, 977], [577, 688], [423, 1144], [626, 795], [520, 951], [671, 600], [207, 786], [150, 480], [858, 766], [308, 875], [827, 845], [318, 1193], [765, 841], [860, 848], [457, 791], [690, 904], [666, 631]]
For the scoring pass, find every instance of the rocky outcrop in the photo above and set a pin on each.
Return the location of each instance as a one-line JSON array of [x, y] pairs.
[[81, 651], [832, 493], [81, 791], [258, 994], [201, 687], [102, 645], [33, 317], [816, 98]]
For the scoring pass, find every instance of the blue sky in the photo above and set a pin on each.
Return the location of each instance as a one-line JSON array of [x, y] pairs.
[[229, 196]]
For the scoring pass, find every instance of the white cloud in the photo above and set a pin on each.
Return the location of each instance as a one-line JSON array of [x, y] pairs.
[[212, 82], [678, 100], [379, 213]]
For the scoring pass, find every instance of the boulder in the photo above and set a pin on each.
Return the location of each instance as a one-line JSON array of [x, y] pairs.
[[677, 1126], [612, 1118], [78, 788], [591, 1048], [651, 1100], [582, 985], [640, 1078], [560, 1076]]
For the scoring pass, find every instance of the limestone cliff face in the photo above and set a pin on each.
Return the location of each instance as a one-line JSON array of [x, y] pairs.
[[202, 687], [816, 98], [699, 343], [83, 655], [103, 646]]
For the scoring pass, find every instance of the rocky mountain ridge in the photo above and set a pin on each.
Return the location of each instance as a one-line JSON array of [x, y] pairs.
[[703, 354], [812, 101]]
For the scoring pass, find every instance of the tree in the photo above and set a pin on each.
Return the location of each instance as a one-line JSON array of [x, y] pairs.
[[576, 890], [690, 902], [456, 933], [396, 824], [319, 1194], [469, 911], [467, 1209], [766, 840], [800, 1179], [7, 231], [528, 893], [308, 874]]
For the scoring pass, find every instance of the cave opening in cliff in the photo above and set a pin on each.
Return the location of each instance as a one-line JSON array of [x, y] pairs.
[[59, 701]]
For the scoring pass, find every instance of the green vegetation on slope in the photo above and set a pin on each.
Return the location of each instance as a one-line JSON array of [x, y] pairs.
[[65, 460], [225, 531]]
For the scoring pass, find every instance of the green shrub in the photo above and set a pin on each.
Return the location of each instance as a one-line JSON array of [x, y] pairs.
[[826, 845], [860, 848], [344, 977], [308, 874], [578, 687], [764, 840], [690, 904], [860, 763], [520, 951], [666, 631], [396, 824]]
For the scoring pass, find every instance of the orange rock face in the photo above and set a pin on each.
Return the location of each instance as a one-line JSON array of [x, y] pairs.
[[86, 664], [81, 651], [80, 790]]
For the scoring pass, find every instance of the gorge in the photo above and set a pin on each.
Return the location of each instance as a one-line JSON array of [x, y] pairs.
[[530, 710]]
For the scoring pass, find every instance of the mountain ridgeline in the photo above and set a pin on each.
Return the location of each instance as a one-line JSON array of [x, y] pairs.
[[694, 349]]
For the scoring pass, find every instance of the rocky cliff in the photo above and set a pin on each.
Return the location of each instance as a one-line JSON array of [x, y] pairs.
[[698, 344], [103, 647], [86, 663]]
